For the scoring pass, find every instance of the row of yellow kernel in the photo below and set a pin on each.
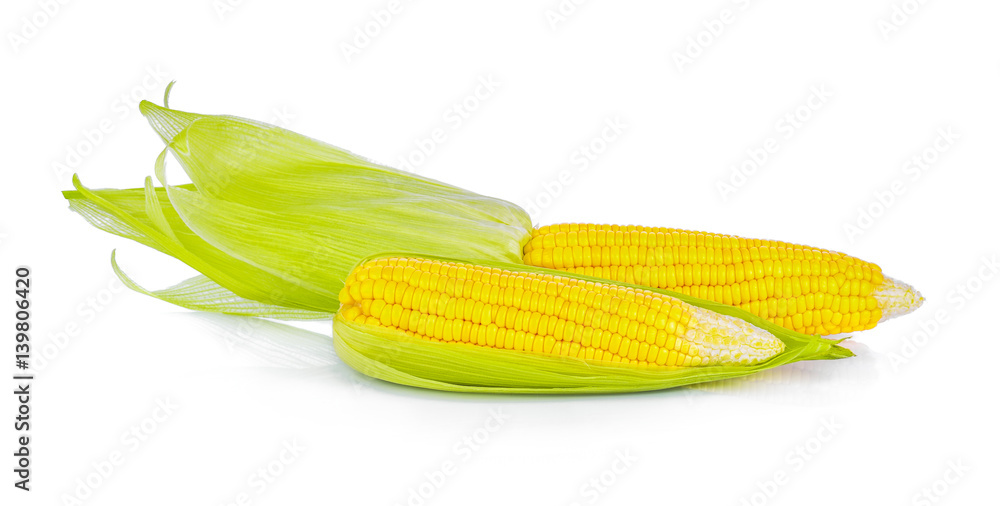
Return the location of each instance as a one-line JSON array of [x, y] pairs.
[[635, 257], [843, 303], [430, 274], [411, 296], [669, 318], [658, 257], [718, 252], [576, 319], [594, 255], [788, 307], [627, 235], [599, 295], [671, 276], [823, 321], [614, 235], [620, 235], [692, 252], [613, 347], [809, 323], [572, 317], [753, 289]]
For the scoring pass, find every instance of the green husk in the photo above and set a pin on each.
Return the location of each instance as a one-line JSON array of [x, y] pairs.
[[392, 356], [228, 285], [279, 218]]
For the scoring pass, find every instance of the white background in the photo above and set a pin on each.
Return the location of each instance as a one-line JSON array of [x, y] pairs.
[[903, 414]]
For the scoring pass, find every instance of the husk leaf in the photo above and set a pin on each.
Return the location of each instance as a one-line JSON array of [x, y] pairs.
[[278, 218]]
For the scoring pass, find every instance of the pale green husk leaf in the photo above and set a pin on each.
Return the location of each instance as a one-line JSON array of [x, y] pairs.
[[124, 213], [278, 218]]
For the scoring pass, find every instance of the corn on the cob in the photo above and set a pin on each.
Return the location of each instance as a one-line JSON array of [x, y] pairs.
[[805, 289], [545, 314]]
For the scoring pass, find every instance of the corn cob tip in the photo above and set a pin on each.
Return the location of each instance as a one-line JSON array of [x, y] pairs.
[[896, 298], [726, 340]]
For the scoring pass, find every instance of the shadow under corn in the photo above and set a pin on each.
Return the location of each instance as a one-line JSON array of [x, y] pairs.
[[301, 353]]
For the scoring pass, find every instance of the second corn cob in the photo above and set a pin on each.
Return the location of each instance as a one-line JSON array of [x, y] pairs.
[[806, 289]]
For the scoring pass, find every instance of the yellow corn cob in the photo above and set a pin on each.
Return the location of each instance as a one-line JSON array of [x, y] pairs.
[[545, 314], [805, 289]]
